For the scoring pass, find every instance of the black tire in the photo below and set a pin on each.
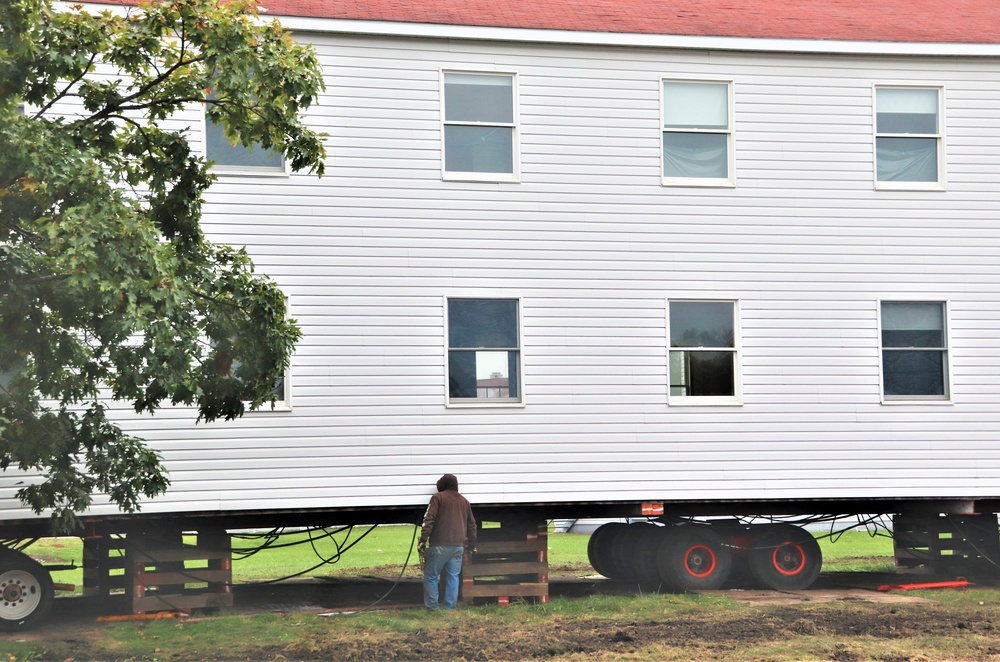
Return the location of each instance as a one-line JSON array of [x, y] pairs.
[[619, 553], [624, 549], [599, 548], [645, 555], [694, 558], [26, 592], [784, 557]]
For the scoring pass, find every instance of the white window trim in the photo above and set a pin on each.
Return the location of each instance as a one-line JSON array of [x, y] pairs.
[[942, 183], [929, 400], [458, 176], [466, 403], [247, 171], [704, 182], [702, 400]]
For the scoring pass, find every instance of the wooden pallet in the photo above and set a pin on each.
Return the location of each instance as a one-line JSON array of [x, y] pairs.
[[103, 566], [511, 561], [160, 571], [946, 544]]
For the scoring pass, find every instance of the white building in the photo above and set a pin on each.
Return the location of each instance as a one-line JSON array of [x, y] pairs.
[[623, 252]]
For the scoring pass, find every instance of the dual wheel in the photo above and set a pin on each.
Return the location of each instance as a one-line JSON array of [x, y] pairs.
[[26, 591], [692, 557]]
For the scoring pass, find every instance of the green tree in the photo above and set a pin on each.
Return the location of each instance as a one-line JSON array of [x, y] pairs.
[[108, 287]]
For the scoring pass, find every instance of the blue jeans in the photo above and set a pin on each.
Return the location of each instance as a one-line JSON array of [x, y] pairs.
[[448, 559]]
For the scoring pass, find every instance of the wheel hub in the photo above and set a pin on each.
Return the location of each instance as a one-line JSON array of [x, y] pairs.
[[699, 561], [12, 592], [789, 559]]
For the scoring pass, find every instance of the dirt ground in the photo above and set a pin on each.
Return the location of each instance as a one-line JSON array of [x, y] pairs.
[[783, 614]]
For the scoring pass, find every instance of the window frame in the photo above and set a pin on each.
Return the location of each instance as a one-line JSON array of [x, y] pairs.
[[737, 350], [483, 402], [947, 398], [464, 176], [231, 169], [940, 140], [730, 132]]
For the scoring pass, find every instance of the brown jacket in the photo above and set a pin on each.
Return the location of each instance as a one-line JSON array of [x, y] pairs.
[[449, 521]]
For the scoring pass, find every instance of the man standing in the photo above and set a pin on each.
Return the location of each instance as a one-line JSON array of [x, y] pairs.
[[449, 528]]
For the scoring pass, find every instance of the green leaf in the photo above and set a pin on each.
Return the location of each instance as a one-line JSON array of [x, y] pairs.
[[107, 283]]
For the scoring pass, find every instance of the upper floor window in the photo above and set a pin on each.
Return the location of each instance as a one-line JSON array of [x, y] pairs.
[[237, 158], [704, 366], [484, 352], [914, 339], [697, 133], [480, 127], [908, 137]]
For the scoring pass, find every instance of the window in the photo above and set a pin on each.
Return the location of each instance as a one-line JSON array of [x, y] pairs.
[[697, 133], [283, 392], [914, 336], [238, 158], [908, 151], [704, 352], [484, 356], [282, 389], [480, 132]]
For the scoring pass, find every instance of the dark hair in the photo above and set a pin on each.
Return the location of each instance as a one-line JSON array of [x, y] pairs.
[[447, 482]]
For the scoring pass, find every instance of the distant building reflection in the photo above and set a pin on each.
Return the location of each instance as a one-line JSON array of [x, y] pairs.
[[495, 386]]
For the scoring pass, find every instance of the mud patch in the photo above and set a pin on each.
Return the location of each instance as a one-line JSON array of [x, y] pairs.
[[713, 636], [755, 597], [842, 609]]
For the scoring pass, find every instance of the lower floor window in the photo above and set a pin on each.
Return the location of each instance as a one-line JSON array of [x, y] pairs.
[[914, 350], [704, 355], [484, 355]]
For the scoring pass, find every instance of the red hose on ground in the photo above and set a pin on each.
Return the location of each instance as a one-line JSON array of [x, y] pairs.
[[958, 583]]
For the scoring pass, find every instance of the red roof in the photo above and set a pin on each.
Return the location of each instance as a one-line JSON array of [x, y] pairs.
[[942, 21]]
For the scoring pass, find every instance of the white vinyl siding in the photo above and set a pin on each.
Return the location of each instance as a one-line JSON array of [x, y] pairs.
[[909, 129], [594, 246], [479, 130], [697, 133]]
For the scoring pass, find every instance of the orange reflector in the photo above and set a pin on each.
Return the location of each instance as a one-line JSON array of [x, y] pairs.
[[652, 508]]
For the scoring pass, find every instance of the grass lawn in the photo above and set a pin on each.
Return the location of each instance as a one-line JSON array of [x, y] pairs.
[[384, 550], [923, 625]]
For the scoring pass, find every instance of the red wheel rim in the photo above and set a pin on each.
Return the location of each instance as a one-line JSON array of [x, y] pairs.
[[699, 561], [789, 559]]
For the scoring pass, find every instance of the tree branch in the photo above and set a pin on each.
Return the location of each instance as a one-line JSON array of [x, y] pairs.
[[41, 280], [29, 237], [122, 105], [69, 86]]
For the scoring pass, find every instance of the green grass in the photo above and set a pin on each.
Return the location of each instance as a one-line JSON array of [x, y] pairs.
[[384, 550], [346, 552], [665, 627], [857, 551], [689, 626]]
